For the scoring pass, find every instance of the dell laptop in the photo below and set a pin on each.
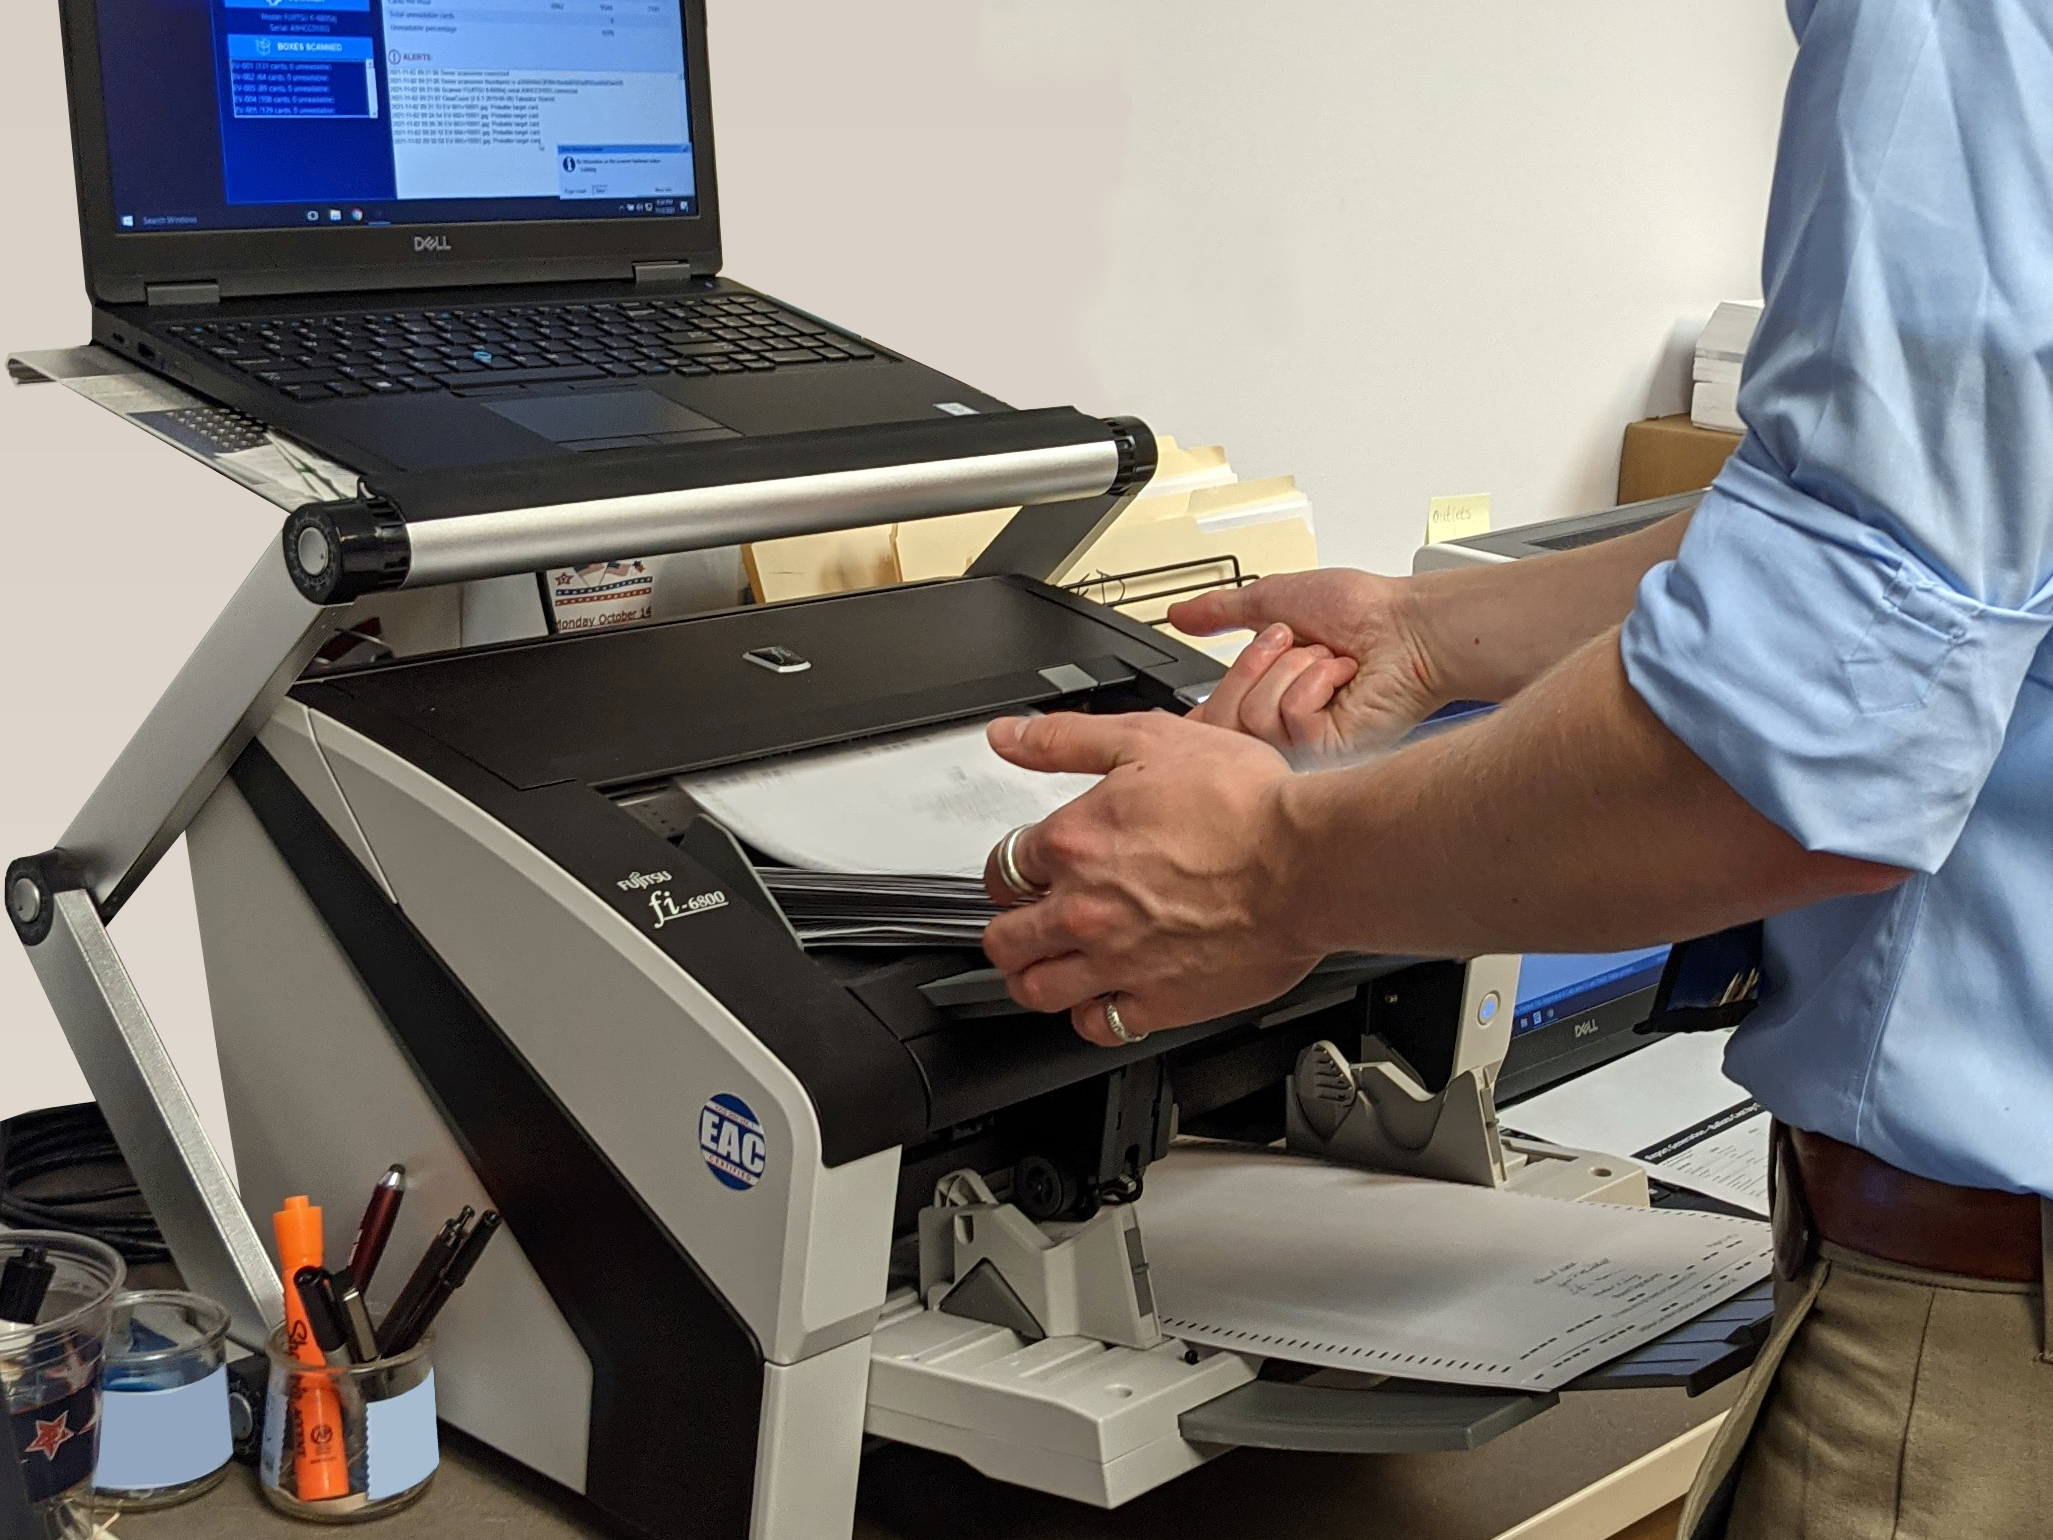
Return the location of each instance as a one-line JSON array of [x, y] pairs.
[[429, 236]]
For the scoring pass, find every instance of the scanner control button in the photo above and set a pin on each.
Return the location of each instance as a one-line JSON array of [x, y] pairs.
[[778, 660], [1486, 1012]]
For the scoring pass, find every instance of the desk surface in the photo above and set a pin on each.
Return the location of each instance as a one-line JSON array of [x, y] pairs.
[[908, 1494]]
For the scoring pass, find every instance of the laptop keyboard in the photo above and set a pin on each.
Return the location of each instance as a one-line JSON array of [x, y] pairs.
[[500, 347]]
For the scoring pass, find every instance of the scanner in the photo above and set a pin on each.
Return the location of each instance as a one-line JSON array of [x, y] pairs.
[[762, 1204]]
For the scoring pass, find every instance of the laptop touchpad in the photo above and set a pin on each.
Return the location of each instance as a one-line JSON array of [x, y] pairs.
[[609, 419]]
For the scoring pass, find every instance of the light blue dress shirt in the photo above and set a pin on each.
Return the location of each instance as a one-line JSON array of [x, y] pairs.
[[1855, 633]]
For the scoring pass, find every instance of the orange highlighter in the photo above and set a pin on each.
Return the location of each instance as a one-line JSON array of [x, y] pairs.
[[320, 1462]]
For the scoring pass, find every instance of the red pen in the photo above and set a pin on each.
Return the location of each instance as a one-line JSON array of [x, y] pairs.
[[376, 1228]]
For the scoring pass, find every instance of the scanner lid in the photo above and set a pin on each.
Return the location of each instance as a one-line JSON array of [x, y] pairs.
[[618, 707]]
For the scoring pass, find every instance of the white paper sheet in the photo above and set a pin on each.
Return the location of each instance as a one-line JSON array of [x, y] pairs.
[[930, 802], [1668, 1106], [1267, 1253], [1725, 1157]]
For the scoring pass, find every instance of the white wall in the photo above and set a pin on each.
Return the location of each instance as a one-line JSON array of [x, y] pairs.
[[1399, 247]]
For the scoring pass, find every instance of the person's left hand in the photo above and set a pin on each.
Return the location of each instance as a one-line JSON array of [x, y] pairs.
[[1164, 882]]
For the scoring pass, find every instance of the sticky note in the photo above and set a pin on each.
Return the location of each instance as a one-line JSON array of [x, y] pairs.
[[1457, 518]]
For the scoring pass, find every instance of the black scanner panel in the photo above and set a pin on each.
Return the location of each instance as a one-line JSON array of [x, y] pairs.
[[654, 700]]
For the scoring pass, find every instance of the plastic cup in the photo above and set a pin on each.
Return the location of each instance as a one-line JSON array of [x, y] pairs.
[[379, 1415], [50, 1388], [164, 1431]]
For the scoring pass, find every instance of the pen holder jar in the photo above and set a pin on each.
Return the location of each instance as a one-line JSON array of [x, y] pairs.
[[50, 1387], [344, 1443], [164, 1431]]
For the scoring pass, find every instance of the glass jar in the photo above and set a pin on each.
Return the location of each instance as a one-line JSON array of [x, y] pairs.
[[50, 1385], [164, 1433], [348, 1442]]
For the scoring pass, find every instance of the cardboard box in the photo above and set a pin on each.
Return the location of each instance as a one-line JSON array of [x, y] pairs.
[[1666, 455]]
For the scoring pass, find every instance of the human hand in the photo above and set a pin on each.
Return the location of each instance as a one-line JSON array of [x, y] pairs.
[[1164, 885], [1337, 668]]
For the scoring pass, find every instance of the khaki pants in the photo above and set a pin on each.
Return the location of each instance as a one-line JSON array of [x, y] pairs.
[[1890, 1404]]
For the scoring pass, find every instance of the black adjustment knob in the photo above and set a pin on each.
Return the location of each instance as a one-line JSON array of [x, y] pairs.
[[31, 885], [1041, 1189], [340, 551], [1137, 453]]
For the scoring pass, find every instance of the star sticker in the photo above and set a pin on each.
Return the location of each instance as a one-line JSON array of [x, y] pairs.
[[51, 1436]]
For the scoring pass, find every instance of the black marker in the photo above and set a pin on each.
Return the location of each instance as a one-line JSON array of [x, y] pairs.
[[24, 1281], [324, 1316]]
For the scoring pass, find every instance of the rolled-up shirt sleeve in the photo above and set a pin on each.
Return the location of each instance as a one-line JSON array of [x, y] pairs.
[[1844, 632]]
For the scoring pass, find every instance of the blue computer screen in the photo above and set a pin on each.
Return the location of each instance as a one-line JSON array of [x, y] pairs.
[[225, 114], [1555, 986]]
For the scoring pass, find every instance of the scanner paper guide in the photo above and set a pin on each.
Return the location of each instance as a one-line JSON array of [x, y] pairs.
[[1668, 1106], [930, 803], [1260, 1252]]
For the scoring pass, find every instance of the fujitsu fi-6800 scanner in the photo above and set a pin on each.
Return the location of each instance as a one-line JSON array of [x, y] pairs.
[[761, 1202]]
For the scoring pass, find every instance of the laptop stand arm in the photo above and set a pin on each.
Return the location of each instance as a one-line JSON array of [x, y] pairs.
[[293, 600], [176, 1167], [1045, 542]]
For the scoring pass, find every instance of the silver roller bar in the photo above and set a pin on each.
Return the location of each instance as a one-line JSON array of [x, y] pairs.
[[484, 545], [270, 629]]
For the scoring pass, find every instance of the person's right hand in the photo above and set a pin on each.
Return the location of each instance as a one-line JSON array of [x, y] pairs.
[[1336, 668]]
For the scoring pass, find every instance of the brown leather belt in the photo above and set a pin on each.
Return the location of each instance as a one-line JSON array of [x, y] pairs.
[[1868, 1205]]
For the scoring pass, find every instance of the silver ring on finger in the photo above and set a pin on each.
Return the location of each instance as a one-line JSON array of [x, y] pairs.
[[1007, 856], [1113, 1024]]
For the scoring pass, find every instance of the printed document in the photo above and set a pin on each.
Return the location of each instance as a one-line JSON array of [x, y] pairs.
[[1668, 1106], [1256, 1251]]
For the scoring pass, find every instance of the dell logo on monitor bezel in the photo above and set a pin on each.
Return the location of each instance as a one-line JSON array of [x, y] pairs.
[[431, 243]]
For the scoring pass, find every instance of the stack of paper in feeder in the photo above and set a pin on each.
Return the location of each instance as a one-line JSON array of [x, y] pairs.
[[834, 909], [1721, 355], [882, 843]]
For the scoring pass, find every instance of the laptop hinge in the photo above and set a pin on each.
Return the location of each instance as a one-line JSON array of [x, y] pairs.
[[662, 272], [202, 291]]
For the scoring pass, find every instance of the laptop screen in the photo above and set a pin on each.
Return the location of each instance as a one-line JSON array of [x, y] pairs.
[[1553, 987], [270, 114]]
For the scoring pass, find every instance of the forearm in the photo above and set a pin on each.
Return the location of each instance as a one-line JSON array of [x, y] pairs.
[[1488, 632], [1600, 829]]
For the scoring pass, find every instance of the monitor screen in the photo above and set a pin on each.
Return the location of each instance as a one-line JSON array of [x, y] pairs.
[[273, 114], [1554, 986]]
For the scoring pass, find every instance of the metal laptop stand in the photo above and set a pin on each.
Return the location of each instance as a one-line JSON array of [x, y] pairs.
[[298, 595]]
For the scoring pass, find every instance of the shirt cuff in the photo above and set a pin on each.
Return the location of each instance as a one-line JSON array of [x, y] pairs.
[[1837, 683]]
